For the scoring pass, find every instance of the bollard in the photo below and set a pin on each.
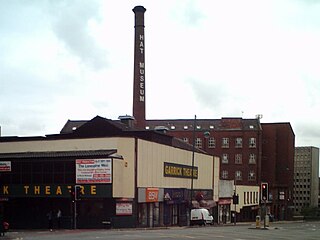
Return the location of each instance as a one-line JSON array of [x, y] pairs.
[[257, 221], [267, 220]]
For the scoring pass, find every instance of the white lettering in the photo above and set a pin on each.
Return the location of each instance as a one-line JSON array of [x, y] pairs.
[[141, 37], [141, 50], [141, 98], [141, 45], [141, 65], [142, 78]]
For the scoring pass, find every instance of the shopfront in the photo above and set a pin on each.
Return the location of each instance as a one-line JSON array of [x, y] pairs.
[[40, 184], [224, 210], [175, 207], [150, 207]]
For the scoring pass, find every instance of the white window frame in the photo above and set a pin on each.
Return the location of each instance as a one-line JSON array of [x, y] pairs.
[[225, 158], [252, 142], [252, 158], [238, 175], [211, 142], [252, 175], [238, 142], [225, 142], [198, 143], [224, 174], [238, 158]]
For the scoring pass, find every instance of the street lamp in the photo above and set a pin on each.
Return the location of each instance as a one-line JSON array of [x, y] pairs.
[[206, 135], [192, 164]]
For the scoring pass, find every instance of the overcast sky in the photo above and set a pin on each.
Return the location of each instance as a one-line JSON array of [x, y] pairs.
[[73, 59]]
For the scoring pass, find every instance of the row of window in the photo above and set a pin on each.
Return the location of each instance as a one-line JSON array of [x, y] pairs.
[[251, 197], [225, 142], [296, 199], [302, 192], [198, 127], [238, 158], [40, 172], [238, 175], [302, 180]]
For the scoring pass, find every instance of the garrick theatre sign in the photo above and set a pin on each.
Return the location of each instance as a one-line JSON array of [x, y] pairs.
[[179, 170], [64, 191]]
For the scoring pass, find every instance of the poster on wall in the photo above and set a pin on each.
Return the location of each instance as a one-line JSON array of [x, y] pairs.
[[123, 209], [5, 166], [93, 171]]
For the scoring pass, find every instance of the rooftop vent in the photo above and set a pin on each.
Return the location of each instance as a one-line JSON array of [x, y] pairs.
[[161, 129], [127, 119]]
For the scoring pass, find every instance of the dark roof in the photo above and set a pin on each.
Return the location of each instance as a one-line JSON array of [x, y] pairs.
[[223, 124], [72, 125], [103, 127], [86, 153]]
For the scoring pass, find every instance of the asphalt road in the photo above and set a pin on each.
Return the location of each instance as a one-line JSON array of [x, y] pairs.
[[279, 230]]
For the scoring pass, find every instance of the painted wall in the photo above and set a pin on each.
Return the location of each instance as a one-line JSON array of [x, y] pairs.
[[245, 199], [151, 158], [123, 170]]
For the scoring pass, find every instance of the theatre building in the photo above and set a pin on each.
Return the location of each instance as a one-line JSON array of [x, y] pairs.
[[126, 178]]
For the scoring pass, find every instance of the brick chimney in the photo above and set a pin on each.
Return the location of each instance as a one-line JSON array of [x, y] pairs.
[[139, 93]]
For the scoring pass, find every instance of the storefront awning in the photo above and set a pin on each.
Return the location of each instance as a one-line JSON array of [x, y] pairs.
[[204, 204]]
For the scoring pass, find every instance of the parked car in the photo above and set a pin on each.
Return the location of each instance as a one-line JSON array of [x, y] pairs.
[[200, 216]]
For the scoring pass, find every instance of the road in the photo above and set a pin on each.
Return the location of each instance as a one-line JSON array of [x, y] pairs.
[[283, 231]]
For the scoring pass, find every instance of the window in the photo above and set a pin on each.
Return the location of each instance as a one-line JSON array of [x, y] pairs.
[[252, 142], [185, 127], [238, 143], [238, 158], [252, 175], [185, 139], [252, 158], [211, 143], [225, 158], [224, 174], [198, 143], [238, 175], [198, 127], [225, 142]]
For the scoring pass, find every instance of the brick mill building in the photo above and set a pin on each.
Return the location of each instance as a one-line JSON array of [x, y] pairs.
[[140, 191]]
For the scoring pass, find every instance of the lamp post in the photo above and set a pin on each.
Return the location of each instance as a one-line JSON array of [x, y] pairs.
[[235, 201], [192, 163]]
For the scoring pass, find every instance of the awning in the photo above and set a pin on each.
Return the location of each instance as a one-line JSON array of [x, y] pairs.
[[204, 204]]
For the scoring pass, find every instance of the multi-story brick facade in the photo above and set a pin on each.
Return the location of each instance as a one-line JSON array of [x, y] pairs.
[[235, 140], [277, 165]]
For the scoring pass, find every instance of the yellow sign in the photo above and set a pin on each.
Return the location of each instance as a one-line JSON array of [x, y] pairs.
[[179, 170]]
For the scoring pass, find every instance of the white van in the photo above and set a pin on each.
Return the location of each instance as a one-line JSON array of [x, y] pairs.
[[200, 216]]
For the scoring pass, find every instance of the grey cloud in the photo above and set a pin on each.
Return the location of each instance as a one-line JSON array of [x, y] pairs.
[[209, 95], [70, 25], [191, 15]]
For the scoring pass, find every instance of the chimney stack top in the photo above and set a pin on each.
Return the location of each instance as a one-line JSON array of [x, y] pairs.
[[139, 9]]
